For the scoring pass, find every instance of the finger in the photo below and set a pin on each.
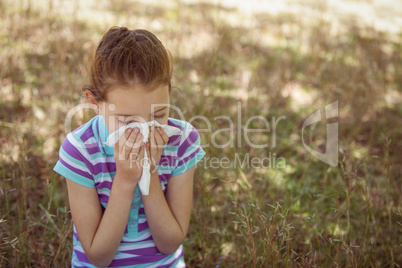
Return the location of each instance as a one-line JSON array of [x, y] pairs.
[[154, 144], [140, 156], [138, 141], [165, 137], [151, 135], [135, 150], [123, 139], [130, 141], [159, 140], [119, 147]]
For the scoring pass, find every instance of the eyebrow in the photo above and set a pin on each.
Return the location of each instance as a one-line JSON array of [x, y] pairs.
[[149, 114]]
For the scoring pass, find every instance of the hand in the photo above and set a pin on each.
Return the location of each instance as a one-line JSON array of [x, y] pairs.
[[129, 154], [157, 139]]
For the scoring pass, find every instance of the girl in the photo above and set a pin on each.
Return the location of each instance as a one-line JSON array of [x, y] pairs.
[[114, 224]]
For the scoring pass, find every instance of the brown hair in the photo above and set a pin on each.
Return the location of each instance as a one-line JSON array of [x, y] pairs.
[[127, 58]]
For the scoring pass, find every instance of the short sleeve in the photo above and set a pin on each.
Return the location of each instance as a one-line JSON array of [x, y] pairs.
[[189, 151], [74, 163]]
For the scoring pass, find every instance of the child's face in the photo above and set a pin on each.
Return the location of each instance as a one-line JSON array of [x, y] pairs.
[[124, 106]]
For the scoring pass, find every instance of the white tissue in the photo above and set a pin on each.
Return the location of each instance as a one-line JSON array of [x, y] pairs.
[[144, 129]]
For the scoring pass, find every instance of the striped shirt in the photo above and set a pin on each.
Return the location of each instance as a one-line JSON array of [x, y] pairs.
[[86, 160]]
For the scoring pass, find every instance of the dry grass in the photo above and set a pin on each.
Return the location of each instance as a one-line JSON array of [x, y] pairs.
[[305, 214]]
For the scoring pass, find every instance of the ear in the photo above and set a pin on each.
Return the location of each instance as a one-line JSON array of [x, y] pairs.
[[92, 101]]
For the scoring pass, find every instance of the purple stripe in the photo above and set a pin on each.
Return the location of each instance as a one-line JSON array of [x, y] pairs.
[[141, 211], [104, 167], [142, 226], [92, 148], [164, 177], [75, 170], [174, 140], [104, 184], [81, 256], [143, 251], [186, 159], [88, 133], [139, 259], [103, 198], [170, 123], [149, 256], [167, 160], [74, 153], [190, 140]]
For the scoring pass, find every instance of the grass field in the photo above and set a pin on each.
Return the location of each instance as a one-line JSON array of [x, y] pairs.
[[288, 59]]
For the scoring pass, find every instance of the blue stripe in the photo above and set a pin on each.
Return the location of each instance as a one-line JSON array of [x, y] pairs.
[[67, 173]]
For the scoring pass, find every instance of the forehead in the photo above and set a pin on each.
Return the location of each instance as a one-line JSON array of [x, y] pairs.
[[137, 100]]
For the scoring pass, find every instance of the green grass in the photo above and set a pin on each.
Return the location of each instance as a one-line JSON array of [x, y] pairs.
[[304, 213]]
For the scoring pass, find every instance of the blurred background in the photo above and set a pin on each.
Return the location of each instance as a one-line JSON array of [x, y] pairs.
[[276, 58]]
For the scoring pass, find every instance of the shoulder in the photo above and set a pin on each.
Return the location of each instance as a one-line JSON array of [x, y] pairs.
[[184, 126], [75, 154], [77, 141], [181, 124], [189, 135], [85, 132], [189, 150]]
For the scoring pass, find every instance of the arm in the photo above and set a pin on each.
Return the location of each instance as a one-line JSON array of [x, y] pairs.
[[169, 216], [100, 233]]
